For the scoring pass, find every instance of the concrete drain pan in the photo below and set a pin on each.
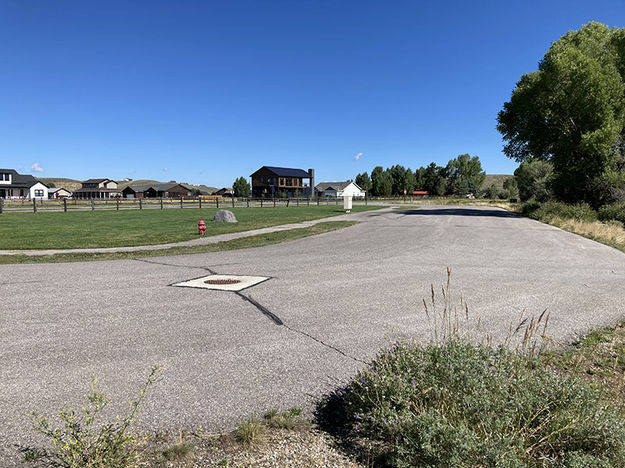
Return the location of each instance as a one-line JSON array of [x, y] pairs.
[[223, 282]]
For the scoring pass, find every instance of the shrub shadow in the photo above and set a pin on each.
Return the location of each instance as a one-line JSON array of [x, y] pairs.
[[461, 212]]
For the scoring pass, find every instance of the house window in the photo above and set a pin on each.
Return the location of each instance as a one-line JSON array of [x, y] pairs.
[[4, 177], [39, 193]]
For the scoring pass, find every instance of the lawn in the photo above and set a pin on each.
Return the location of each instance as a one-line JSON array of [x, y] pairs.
[[84, 229]]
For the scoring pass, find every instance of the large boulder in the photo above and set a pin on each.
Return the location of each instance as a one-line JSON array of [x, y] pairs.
[[225, 216]]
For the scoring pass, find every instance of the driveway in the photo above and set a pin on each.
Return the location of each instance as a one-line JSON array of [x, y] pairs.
[[340, 297]]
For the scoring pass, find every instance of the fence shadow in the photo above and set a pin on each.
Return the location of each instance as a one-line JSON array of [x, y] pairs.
[[462, 212]]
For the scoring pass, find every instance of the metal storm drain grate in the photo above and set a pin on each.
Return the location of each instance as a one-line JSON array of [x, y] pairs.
[[223, 282]]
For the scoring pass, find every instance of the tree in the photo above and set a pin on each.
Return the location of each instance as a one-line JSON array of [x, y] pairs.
[[510, 188], [491, 192], [364, 182], [376, 174], [534, 180], [464, 175], [411, 181], [399, 175], [571, 111], [385, 184], [419, 175], [433, 180], [241, 187]]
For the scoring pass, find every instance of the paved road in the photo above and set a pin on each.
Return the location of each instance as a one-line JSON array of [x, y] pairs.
[[341, 296]]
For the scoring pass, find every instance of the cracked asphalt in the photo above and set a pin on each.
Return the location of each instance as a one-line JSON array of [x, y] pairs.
[[340, 296]]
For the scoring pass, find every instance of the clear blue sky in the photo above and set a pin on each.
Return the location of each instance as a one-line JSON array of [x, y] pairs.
[[206, 91]]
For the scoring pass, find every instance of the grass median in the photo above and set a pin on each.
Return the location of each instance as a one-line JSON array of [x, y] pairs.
[[242, 243], [85, 229]]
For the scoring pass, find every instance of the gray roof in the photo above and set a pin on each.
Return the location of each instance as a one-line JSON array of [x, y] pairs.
[[286, 171], [97, 181], [20, 180], [332, 185], [157, 187]]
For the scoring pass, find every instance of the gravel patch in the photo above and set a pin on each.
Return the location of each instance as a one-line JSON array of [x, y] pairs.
[[283, 448]]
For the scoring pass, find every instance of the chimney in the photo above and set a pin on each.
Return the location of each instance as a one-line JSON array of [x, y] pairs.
[[312, 182]]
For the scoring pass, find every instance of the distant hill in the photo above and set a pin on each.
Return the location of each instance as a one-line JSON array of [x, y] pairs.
[[495, 179], [69, 184]]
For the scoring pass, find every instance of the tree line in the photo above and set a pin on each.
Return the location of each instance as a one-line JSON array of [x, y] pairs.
[[461, 176]]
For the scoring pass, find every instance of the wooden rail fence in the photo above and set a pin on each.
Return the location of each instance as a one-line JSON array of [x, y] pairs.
[[65, 205]]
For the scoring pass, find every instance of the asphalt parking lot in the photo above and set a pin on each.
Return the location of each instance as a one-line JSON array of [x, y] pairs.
[[340, 296]]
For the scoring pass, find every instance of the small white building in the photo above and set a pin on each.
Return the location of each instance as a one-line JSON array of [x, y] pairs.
[[14, 186], [339, 189], [59, 192]]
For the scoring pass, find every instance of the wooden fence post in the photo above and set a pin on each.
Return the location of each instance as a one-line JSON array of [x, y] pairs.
[[180, 202], [308, 201], [34, 205], [366, 198], [288, 200], [297, 201], [274, 201], [200, 200], [1, 203], [161, 203], [92, 205], [64, 205], [217, 201], [117, 204], [261, 202], [248, 204], [233, 201], [317, 201], [140, 203]]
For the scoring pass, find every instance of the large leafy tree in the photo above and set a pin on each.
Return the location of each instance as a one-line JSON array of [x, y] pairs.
[[363, 181], [464, 175], [571, 111], [534, 179], [241, 187]]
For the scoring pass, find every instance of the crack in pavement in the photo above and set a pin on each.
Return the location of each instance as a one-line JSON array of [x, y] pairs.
[[174, 265], [275, 319]]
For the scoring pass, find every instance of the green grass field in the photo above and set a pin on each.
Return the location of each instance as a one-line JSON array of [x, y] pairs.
[[86, 229]]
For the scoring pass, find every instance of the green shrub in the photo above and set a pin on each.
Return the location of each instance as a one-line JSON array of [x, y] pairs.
[[613, 212], [86, 441], [463, 405], [552, 209]]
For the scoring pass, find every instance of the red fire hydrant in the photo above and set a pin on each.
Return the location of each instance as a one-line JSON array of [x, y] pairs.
[[201, 227]]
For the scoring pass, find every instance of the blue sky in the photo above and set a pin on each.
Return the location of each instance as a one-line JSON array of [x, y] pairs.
[[204, 92]]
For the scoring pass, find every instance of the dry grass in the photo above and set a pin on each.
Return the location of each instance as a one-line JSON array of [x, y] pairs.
[[611, 233]]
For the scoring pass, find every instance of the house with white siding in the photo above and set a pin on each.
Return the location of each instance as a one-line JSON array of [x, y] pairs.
[[14, 186], [339, 189]]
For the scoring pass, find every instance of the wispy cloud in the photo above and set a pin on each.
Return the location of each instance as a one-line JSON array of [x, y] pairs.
[[165, 169], [35, 167], [358, 156]]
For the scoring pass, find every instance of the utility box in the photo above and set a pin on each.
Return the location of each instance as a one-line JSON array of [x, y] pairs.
[[347, 203]]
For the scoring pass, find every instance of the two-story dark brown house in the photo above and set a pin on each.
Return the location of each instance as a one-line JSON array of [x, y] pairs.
[[270, 181]]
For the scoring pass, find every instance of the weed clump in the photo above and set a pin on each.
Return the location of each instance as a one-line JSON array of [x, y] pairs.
[[251, 432], [85, 440]]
